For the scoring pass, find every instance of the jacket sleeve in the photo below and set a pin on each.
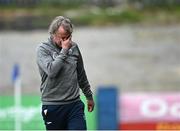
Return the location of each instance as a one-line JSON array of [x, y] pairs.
[[82, 78], [48, 64]]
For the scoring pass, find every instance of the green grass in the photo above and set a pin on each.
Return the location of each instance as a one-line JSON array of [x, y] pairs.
[[91, 118], [36, 122], [7, 123]]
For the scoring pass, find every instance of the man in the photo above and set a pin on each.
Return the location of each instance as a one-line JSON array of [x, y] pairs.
[[62, 75]]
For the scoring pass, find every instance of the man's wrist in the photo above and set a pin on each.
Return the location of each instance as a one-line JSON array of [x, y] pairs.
[[89, 97], [64, 51]]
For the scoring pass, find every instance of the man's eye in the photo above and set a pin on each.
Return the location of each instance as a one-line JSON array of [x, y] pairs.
[[65, 38]]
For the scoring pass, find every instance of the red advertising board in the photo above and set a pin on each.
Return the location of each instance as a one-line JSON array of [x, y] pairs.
[[149, 111]]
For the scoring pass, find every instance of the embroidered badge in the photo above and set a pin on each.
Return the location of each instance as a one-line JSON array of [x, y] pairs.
[[45, 111]]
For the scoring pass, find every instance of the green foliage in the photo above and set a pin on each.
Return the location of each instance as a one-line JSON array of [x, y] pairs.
[[40, 15]]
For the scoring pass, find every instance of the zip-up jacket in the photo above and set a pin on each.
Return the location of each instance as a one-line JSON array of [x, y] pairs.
[[62, 74]]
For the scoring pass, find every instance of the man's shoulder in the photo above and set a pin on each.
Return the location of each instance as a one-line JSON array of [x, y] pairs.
[[74, 43], [39, 47], [42, 46]]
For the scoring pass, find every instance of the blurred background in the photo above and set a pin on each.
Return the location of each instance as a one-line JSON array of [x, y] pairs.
[[131, 53]]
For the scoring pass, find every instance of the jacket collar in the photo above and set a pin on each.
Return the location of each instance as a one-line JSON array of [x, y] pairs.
[[53, 44]]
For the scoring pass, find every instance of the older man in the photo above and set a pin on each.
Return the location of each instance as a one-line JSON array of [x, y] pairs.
[[62, 75]]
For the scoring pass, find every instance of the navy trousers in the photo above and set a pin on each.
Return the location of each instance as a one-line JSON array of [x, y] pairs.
[[64, 117]]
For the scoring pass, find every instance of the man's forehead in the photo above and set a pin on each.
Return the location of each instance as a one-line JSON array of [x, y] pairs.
[[62, 31]]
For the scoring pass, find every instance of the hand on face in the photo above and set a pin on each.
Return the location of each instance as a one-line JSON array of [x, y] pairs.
[[66, 43], [63, 38]]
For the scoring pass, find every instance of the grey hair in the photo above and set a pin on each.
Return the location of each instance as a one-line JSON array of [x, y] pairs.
[[60, 21]]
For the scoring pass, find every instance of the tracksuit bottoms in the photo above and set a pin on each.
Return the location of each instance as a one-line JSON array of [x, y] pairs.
[[64, 117]]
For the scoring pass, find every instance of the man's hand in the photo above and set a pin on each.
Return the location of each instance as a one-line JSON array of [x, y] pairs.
[[66, 44], [90, 104]]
